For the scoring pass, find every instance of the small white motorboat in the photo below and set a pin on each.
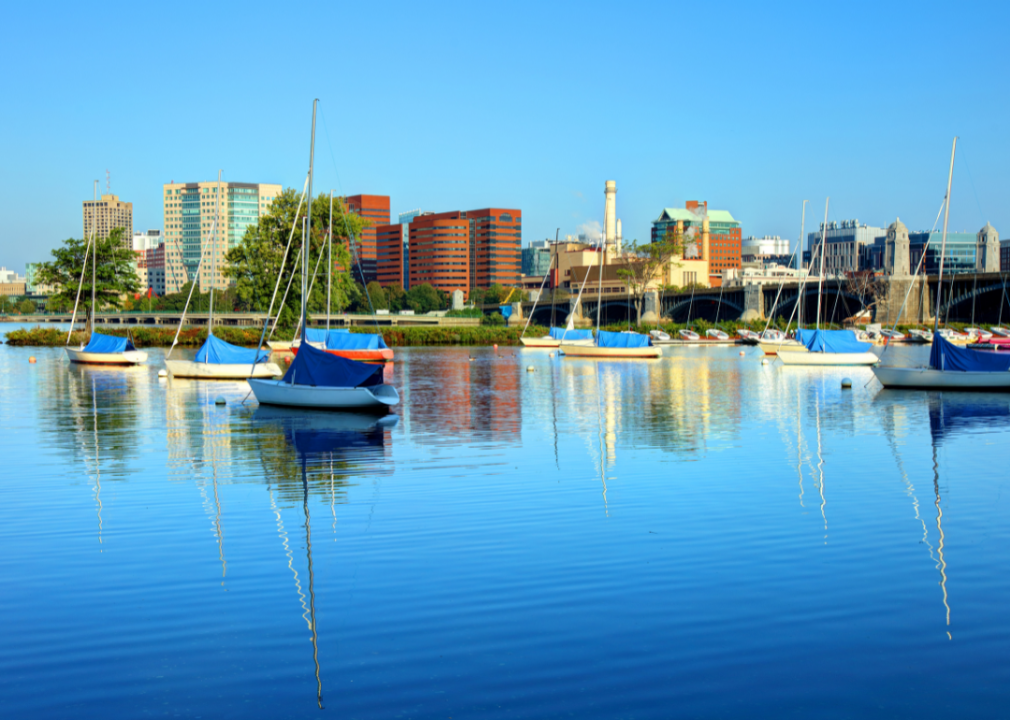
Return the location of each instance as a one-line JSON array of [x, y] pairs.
[[920, 336], [689, 335], [659, 335], [748, 335], [953, 336], [892, 335], [716, 334], [317, 379], [978, 333], [107, 350], [1001, 331]]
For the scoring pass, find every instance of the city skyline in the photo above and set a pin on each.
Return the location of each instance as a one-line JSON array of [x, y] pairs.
[[779, 121]]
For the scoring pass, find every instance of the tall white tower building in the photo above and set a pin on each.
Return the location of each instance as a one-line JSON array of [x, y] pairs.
[[610, 216]]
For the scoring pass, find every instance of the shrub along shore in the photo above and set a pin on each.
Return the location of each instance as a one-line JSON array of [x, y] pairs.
[[248, 337], [394, 336]]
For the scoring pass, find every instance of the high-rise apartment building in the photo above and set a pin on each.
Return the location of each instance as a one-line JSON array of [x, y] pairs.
[[105, 215], [374, 209], [192, 210], [495, 244], [439, 246]]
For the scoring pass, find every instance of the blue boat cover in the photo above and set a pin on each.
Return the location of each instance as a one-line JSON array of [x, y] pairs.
[[217, 352], [320, 369], [316, 334], [622, 340], [354, 341], [831, 341], [948, 356], [557, 333], [105, 344]]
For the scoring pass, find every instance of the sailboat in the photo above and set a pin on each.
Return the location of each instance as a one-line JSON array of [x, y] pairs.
[[950, 367], [316, 378], [217, 359], [828, 347], [100, 349], [610, 344], [687, 333]]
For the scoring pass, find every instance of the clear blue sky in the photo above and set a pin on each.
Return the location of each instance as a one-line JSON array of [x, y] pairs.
[[751, 106]]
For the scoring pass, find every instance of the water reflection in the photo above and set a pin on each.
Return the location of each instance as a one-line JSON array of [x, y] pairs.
[[322, 441]]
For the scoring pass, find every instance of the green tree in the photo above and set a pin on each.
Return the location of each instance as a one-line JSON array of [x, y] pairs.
[[494, 320], [378, 296], [57, 304], [642, 265], [424, 298], [254, 264], [495, 294], [7, 304], [477, 296], [396, 297], [116, 276]]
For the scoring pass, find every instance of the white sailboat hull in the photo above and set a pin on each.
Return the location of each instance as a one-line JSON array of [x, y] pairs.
[[591, 351], [823, 358], [279, 345], [278, 392], [928, 378], [129, 357], [223, 371], [774, 347], [549, 342]]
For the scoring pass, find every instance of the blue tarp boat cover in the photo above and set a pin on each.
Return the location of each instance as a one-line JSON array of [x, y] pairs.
[[947, 356], [557, 333], [506, 311], [316, 334], [622, 340], [354, 341], [217, 352], [106, 344], [320, 369], [831, 341]]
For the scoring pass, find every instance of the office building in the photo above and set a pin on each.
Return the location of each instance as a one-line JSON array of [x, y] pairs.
[[105, 215], [725, 235], [536, 258], [196, 213], [764, 246], [844, 246], [147, 239], [439, 246], [392, 255], [495, 242], [374, 209]]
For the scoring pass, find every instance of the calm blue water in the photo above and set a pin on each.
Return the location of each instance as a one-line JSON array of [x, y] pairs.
[[701, 536]]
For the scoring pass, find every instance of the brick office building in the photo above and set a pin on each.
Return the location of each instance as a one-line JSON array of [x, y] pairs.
[[374, 209], [455, 250], [391, 255], [725, 234]]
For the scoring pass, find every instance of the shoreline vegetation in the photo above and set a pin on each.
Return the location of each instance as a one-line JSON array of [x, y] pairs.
[[394, 336]]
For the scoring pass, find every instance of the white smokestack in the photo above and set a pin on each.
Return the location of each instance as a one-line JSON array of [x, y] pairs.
[[610, 229]]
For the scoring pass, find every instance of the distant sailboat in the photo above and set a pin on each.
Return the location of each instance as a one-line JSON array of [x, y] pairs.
[[100, 349]]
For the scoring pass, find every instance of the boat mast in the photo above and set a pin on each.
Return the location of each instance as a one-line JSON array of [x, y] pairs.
[[329, 263], [799, 253], [308, 218], [943, 242], [820, 273], [213, 255], [94, 258], [599, 289]]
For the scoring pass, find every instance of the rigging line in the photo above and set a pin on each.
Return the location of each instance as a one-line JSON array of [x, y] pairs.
[[189, 297], [312, 286], [964, 161], [347, 227], [84, 268], [280, 308], [287, 248]]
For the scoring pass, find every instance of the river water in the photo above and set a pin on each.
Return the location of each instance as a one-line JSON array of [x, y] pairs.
[[701, 536]]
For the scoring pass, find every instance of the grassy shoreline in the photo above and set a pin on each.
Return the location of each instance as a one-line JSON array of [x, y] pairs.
[[248, 337]]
